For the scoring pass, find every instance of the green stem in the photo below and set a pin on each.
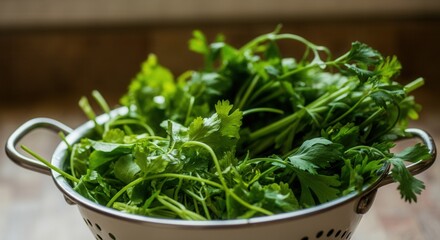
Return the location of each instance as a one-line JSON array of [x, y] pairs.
[[177, 190], [297, 70], [49, 165], [248, 92], [63, 138], [267, 171], [260, 90], [351, 109], [273, 95], [222, 179], [276, 125], [185, 177], [188, 112], [205, 207], [274, 36], [414, 85], [128, 122], [124, 189], [373, 149], [255, 110], [270, 160], [101, 101], [214, 158], [163, 175], [282, 123], [178, 208], [326, 98], [87, 109], [202, 202], [196, 205], [339, 60], [371, 118], [72, 163]]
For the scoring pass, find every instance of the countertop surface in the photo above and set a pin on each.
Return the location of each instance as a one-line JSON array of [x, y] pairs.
[[32, 208]]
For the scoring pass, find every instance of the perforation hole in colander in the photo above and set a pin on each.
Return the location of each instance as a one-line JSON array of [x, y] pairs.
[[332, 233], [99, 232]]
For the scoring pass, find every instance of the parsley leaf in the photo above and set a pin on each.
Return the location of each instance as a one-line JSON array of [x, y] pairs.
[[251, 133], [409, 186]]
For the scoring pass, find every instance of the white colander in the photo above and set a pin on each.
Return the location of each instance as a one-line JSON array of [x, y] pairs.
[[333, 220]]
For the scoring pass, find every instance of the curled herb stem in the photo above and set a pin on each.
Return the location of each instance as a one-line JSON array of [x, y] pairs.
[[369, 148]]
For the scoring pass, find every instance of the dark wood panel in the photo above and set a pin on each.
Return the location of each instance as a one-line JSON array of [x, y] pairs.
[[41, 63]]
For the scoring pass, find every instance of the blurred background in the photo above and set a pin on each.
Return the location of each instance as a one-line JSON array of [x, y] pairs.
[[54, 52]]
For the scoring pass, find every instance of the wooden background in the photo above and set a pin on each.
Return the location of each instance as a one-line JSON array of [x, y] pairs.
[[50, 57]]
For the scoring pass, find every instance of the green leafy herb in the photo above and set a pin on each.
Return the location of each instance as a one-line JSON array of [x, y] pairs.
[[252, 133]]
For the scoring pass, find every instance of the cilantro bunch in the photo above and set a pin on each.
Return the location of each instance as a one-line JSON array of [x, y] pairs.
[[252, 133]]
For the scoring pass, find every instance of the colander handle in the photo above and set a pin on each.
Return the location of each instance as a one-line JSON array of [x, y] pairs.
[[421, 165], [21, 132]]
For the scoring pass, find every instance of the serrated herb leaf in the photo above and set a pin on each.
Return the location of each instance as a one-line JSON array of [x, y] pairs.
[[252, 133]]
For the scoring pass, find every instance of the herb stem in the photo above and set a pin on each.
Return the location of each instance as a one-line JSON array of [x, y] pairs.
[[178, 208], [324, 99], [263, 88], [124, 189], [177, 190], [297, 70], [248, 92], [276, 125], [63, 138], [373, 149], [163, 175], [202, 202], [185, 177], [214, 158], [255, 110], [188, 112], [72, 163], [371, 117], [134, 122], [223, 181], [101, 101], [414, 85], [50, 165], [350, 110], [87, 109]]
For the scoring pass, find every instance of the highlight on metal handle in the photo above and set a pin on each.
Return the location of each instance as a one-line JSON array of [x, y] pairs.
[[421, 165], [21, 132]]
